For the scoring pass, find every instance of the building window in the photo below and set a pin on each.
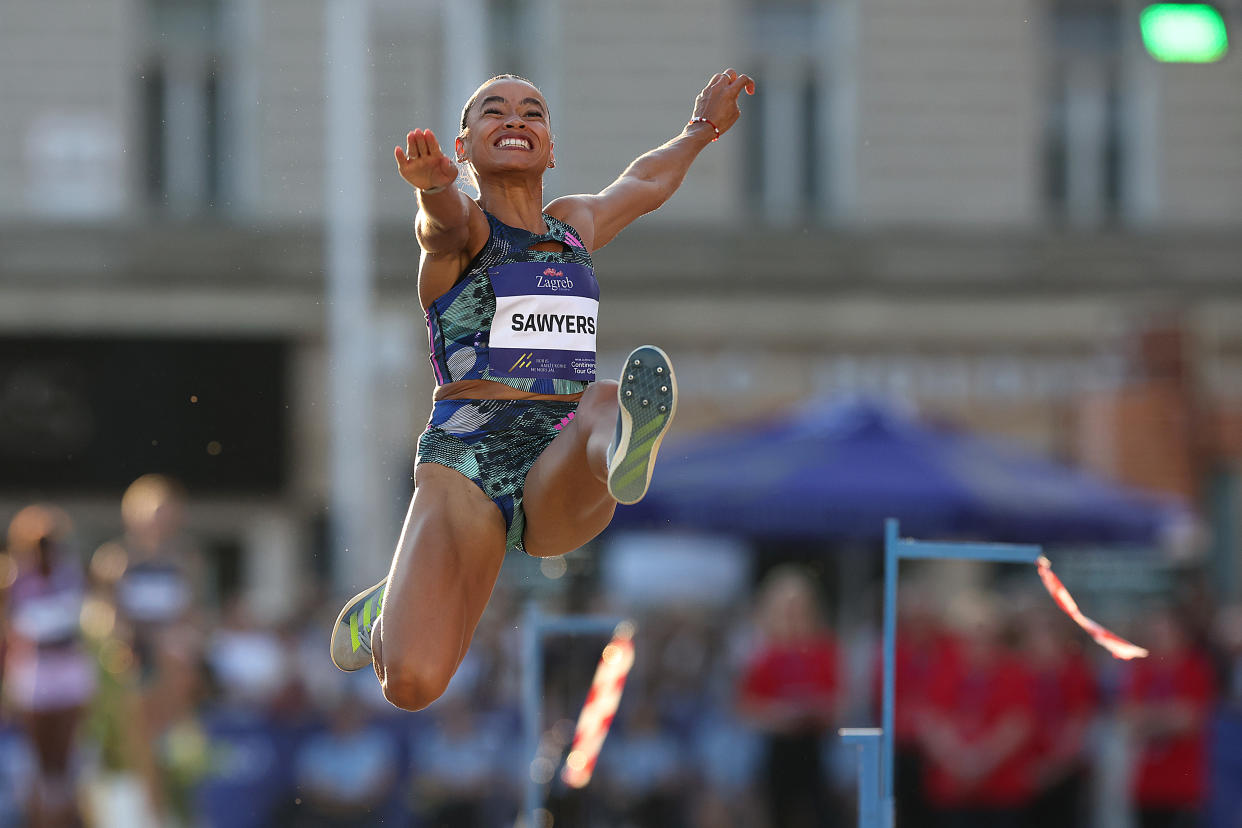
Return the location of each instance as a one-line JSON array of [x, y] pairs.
[[787, 132], [509, 37], [181, 101], [1084, 142], [814, 142]]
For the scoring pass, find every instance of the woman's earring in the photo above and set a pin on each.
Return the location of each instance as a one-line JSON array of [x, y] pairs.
[[551, 164]]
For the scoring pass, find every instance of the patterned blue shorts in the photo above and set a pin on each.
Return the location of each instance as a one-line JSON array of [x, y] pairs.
[[494, 443]]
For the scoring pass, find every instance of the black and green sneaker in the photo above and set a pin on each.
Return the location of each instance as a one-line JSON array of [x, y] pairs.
[[351, 636], [648, 400]]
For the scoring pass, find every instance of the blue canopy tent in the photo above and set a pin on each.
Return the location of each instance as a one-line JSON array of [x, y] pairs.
[[837, 470]]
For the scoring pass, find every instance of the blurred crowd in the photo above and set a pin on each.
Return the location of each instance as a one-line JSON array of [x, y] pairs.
[[131, 698]]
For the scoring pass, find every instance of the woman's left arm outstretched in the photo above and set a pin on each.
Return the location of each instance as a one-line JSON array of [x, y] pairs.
[[652, 178]]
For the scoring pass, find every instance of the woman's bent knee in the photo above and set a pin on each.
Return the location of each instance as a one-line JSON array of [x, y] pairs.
[[601, 395], [597, 409], [413, 686], [408, 682]]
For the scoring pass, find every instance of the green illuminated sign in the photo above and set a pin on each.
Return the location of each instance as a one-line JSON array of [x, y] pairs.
[[1184, 33]]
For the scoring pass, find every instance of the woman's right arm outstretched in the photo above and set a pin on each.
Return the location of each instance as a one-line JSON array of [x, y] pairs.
[[450, 227]]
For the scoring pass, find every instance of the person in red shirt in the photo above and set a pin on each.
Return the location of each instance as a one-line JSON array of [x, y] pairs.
[[977, 726], [1065, 701], [921, 647], [1166, 701], [790, 691]]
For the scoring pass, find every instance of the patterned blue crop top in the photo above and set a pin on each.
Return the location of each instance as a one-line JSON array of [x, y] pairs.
[[521, 317]]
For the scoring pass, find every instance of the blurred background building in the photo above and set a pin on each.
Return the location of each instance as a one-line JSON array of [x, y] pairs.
[[1005, 214]]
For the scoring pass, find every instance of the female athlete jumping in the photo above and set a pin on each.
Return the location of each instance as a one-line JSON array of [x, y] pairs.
[[525, 450]]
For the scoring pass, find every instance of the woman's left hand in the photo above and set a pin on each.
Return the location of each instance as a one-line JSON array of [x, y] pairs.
[[718, 100]]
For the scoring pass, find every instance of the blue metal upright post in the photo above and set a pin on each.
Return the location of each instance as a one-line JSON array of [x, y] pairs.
[[532, 698], [868, 741], [891, 541]]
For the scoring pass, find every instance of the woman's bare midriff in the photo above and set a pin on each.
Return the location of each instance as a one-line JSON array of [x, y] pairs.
[[488, 390]]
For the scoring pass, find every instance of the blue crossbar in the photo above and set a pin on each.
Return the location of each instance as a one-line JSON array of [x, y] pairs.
[[996, 552]]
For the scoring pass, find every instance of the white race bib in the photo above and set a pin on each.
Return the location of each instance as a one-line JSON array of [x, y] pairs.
[[545, 321]]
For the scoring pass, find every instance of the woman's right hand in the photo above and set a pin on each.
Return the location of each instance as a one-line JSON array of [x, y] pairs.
[[718, 100], [422, 163]]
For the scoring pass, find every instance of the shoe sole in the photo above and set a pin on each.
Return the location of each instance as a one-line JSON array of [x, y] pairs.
[[348, 653], [641, 428]]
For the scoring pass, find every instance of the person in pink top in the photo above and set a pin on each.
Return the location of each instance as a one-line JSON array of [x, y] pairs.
[[48, 676]]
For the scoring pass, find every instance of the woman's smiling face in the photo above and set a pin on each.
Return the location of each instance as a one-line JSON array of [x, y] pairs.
[[506, 128]]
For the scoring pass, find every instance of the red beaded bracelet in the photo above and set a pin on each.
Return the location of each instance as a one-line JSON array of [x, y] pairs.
[[701, 120]]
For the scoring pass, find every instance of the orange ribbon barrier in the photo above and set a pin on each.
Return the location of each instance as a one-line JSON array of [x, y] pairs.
[[1115, 644], [600, 707]]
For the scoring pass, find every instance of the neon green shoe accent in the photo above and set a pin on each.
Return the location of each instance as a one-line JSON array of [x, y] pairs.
[[639, 467], [647, 429], [375, 602], [351, 634], [630, 476]]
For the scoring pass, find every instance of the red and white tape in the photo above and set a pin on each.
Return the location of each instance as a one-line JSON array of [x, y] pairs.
[[1115, 644], [600, 706]]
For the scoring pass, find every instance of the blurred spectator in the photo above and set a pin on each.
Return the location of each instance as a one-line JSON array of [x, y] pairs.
[[727, 750], [455, 768], [921, 646], [153, 571], [172, 710], [48, 675], [346, 774], [1167, 700], [17, 776], [1229, 643], [150, 579], [1065, 702], [126, 789], [679, 681], [790, 692], [290, 700], [492, 678], [248, 661], [977, 726], [642, 770], [728, 755]]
